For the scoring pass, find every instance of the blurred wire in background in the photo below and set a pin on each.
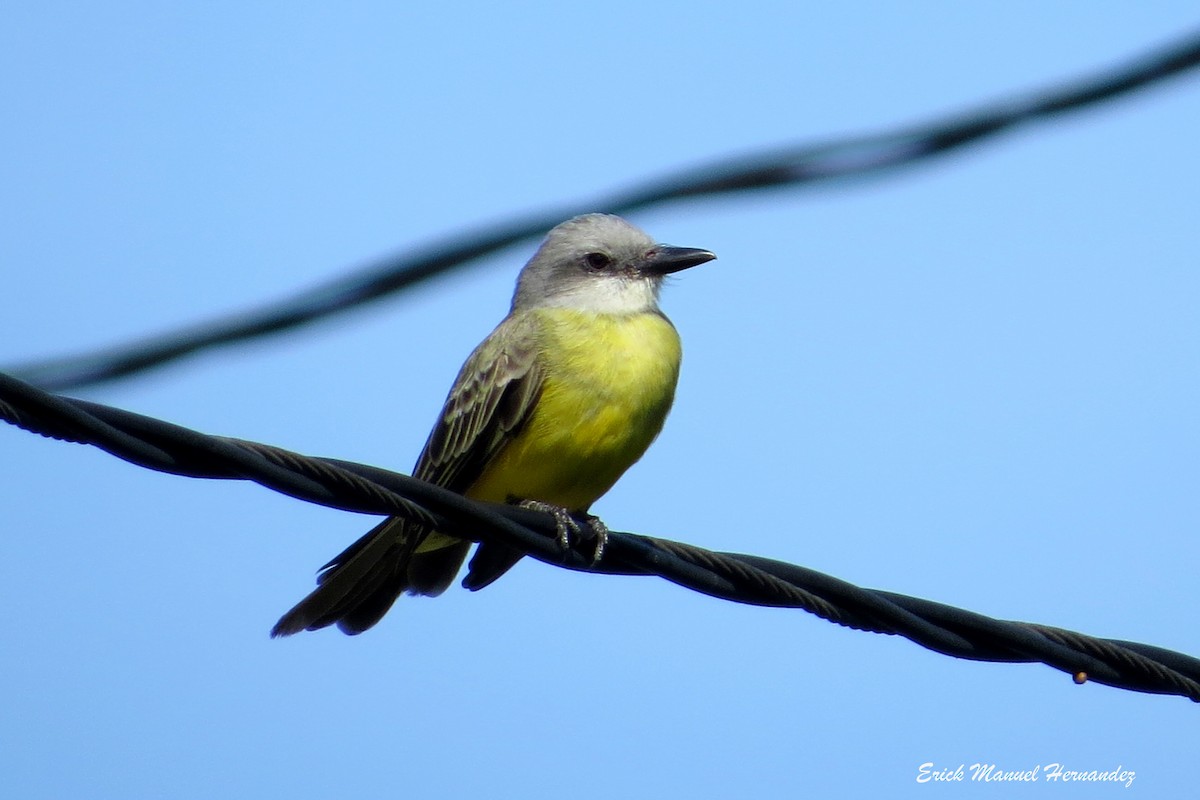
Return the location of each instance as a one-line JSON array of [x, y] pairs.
[[786, 167]]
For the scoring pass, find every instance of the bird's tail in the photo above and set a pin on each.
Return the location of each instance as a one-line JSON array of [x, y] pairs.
[[359, 585]]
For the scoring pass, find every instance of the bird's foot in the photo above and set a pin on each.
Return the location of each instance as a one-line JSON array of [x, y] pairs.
[[566, 526], [601, 531], [564, 523]]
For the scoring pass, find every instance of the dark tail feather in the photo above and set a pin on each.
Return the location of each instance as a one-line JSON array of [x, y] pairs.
[[368, 606], [489, 563], [355, 576], [430, 573], [361, 583]]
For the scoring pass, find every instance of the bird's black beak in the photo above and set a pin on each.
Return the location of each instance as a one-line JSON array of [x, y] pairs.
[[664, 260]]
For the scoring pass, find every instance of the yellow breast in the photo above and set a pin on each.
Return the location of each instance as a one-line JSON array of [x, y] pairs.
[[609, 382]]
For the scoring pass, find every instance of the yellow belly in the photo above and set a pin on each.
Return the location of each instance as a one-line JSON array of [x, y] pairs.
[[609, 383]]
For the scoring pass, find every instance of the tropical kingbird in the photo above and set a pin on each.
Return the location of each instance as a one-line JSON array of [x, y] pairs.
[[551, 408]]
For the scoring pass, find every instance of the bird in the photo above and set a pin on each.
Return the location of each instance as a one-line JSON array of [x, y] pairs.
[[550, 409]]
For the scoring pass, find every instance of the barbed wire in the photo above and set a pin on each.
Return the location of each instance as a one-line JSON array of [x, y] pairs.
[[753, 580], [791, 166]]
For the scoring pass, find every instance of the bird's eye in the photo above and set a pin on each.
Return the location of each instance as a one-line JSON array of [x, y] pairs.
[[597, 261]]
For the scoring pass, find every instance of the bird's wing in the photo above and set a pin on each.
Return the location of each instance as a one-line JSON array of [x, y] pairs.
[[491, 399]]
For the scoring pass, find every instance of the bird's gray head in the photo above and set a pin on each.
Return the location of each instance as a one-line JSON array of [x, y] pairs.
[[601, 263]]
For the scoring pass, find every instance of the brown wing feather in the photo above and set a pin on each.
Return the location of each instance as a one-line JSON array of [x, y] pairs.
[[491, 398]]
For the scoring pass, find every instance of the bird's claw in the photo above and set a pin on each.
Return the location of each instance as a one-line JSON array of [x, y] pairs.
[[601, 531], [566, 525]]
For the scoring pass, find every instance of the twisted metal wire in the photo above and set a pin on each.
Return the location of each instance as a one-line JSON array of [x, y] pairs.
[[753, 580]]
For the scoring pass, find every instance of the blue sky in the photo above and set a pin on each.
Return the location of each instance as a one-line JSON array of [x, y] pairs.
[[974, 381]]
